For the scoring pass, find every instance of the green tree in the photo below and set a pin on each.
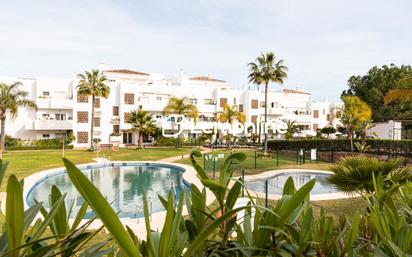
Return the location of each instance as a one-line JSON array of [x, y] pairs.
[[264, 70], [93, 83], [11, 98], [230, 115], [142, 122], [328, 131], [377, 83], [181, 106]]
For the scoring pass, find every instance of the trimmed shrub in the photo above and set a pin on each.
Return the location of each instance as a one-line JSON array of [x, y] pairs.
[[378, 146]]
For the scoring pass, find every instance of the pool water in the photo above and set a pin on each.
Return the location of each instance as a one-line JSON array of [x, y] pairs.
[[122, 186], [276, 183]]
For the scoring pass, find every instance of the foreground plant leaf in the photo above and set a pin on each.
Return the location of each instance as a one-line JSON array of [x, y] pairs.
[[102, 209], [14, 214]]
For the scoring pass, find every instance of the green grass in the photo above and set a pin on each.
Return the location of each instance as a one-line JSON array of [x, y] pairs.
[[24, 163]]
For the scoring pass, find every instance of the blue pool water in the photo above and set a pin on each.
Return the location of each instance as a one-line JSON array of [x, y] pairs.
[[122, 186], [276, 183]]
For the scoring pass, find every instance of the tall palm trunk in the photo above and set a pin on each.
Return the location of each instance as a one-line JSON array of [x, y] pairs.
[[350, 132], [265, 149], [140, 144], [178, 136], [2, 134], [228, 140], [92, 124]]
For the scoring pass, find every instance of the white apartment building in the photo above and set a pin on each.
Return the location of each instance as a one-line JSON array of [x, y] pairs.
[[61, 109]]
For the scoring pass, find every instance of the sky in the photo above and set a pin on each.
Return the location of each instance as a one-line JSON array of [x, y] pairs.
[[323, 42]]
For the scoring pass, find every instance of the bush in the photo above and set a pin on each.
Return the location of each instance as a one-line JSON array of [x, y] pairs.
[[11, 141], [376, 145], [31, 147]]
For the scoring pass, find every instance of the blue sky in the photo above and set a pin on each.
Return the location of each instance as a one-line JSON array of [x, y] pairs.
[[322, 42]]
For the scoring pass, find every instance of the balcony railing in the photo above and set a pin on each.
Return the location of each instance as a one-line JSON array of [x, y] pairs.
[[49, 125], [53, 103]]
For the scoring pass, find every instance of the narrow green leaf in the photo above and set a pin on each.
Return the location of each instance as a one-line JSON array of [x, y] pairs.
[[14, 214], [60, 220]]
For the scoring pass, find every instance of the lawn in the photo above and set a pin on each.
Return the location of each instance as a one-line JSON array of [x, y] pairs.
[[24, 163], [281, 161]]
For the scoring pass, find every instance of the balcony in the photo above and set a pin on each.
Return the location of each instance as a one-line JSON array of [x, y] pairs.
[[50, 103], [115, 120], [276, 111], [49, 125]]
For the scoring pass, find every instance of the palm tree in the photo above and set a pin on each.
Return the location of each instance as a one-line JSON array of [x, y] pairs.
[[350, 122], [267, 69], [93, 83], [11, 98], [403, 91], [142, 122], [291, 128], [181, 106], [230, 115], [364, 125], [354, 174]]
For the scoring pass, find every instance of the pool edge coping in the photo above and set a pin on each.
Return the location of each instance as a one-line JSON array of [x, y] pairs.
[[272, 173]]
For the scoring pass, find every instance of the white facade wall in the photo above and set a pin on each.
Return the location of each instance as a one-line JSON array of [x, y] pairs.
[[386, 130], [59, 107]]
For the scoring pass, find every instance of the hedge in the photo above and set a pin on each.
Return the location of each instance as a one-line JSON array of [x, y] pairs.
[[379, 146], [33, 147]]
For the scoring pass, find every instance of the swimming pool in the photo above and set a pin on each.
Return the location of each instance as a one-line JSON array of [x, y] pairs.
[[122, 184], [276, 182]]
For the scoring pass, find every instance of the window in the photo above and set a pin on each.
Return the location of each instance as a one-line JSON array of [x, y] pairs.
[[115, 110], [59, 116], [82, 98], [46, 135], [158, 98], [97, 103], [127, 116], [323, 111], [96, 122], [240, 107], [262, 104], [315, 126], [316, 114], [45, 116], [116, 129], [223, 102], [193, 100], [328, 117], [254, 104], [82, 117], [254, 119], [129, 98], [158, 117], [234, 100], [82, 137], [46, 93], [208, 101]]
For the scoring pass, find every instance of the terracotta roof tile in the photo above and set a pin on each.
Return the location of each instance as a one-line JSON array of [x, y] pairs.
[[202, 78], [125, 71]]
